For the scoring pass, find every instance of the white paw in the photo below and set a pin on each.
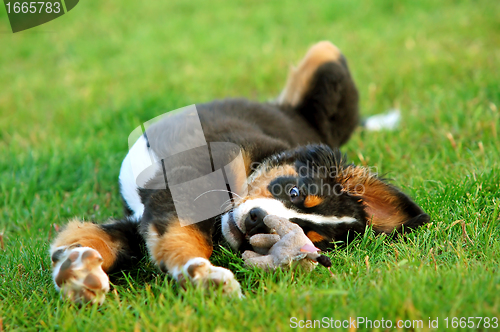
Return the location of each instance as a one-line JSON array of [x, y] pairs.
[[78, 274], [202, 273]]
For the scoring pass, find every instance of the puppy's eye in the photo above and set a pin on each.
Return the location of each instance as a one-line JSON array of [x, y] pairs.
[[294, 194]]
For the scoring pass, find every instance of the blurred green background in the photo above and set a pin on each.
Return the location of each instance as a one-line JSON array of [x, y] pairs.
[[72, 90]]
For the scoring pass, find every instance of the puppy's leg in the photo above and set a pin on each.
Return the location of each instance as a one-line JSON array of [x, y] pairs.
[[300, 77], [84, 252], [322, 90], [183, 252]]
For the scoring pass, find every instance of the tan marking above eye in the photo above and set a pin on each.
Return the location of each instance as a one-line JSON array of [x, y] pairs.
[[314, 236], [312, 201], [258, 187]]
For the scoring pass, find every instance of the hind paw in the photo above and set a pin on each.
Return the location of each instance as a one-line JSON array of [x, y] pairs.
[[78, 274], [202, 273]]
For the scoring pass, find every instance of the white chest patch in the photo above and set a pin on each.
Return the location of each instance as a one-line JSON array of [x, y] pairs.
[[138, 159]]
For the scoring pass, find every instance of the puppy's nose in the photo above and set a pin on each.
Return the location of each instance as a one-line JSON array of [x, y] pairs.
[[254, 222]]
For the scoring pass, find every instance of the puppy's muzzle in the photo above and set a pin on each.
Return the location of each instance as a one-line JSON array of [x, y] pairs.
[[254, 222]]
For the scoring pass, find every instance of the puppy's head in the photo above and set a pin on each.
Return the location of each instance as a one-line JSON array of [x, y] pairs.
[[313, 187]]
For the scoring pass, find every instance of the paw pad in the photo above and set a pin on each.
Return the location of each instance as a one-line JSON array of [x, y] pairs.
[[202, 273], [79, 275]]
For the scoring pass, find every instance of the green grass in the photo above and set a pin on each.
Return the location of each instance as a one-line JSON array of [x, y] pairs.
[[74, 88]]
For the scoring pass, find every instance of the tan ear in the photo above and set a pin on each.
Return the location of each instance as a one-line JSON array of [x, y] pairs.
[[382, 209], [386, 207]]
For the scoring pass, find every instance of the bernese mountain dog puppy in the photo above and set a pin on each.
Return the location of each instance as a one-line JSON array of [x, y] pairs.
[[286, 164]]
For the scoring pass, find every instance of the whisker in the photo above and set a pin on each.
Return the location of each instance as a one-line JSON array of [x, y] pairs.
[[227, 209], [228, 202], [209, 191]]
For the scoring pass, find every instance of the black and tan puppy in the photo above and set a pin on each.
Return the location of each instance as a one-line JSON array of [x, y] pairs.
[[291, 169]]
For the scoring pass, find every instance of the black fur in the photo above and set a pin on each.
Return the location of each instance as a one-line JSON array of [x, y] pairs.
[[306, 136], [132, 243]]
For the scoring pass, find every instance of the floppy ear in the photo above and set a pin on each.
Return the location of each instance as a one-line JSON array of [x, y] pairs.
[[386, 207]]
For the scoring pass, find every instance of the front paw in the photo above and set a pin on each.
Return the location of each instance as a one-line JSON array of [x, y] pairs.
[[202, 273], [78, 274]]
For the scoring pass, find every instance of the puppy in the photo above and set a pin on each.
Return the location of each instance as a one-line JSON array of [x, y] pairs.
[[282, 160]]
